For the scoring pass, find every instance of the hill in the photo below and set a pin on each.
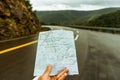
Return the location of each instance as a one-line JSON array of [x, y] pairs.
[[17, 19], [107, 20], [71, 17]]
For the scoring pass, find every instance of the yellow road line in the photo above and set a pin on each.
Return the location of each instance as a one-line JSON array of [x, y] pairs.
[[19, 46]]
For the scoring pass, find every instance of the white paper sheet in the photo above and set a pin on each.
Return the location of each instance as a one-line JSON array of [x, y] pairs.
[[58, 49]]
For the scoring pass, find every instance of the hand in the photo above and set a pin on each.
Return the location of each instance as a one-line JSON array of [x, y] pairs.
[[46, 75]]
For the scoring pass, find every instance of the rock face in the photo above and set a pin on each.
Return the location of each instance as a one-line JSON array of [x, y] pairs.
[[16, 19]]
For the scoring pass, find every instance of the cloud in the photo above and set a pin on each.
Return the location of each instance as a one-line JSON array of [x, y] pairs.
[[73, 4], [67, 7]]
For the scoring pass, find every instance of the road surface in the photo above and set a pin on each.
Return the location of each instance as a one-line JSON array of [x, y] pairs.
[[98, 56]]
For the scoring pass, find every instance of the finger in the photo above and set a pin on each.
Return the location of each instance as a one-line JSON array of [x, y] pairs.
[[48, 69], [63, 76], [53, 77], [61, 73]]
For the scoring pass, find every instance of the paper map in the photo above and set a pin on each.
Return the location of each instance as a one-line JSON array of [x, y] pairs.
[[57, 48]]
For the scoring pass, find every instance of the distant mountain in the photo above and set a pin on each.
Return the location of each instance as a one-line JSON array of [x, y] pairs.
[[71, 17], [107, 20]]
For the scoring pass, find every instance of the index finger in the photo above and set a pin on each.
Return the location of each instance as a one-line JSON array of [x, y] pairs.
[[48, 69]]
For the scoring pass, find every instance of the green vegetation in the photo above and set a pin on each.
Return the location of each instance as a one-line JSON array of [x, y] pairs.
[[28, 5], [107, 20], [71, 17], [17, 19]]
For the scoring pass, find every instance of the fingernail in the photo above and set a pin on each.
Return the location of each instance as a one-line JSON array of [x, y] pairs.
[[65, 74], [49, 65], [67, 69]]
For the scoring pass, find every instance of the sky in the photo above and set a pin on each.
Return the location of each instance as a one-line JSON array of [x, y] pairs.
[[44, 5]]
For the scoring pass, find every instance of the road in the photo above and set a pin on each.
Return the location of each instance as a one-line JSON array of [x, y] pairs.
[[98, 56]]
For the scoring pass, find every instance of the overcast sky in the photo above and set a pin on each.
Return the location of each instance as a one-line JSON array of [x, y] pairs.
[[73, 4]]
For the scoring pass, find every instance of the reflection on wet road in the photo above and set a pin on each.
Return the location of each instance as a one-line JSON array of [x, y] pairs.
[[98, 56]]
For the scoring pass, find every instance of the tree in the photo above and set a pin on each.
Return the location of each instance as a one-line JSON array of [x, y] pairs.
[[29, 6]]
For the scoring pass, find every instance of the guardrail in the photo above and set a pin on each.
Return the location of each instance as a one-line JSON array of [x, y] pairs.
[[100, 29]]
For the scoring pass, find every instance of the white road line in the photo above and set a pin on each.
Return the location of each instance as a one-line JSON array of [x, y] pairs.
[[76, 37]]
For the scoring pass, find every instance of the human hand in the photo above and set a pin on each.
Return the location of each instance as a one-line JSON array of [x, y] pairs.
[[46, 75]]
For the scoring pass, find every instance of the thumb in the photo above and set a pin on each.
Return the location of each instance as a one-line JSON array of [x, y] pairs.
[[48, 69]]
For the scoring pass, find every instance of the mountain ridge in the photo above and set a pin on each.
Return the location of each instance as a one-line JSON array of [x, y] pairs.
[[70, 17], [107, 20]]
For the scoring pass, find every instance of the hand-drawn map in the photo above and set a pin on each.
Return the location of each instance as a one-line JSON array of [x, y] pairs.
[[57, 48]]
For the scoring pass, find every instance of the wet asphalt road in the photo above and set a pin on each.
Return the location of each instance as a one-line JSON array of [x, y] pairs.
[[98, 57]]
